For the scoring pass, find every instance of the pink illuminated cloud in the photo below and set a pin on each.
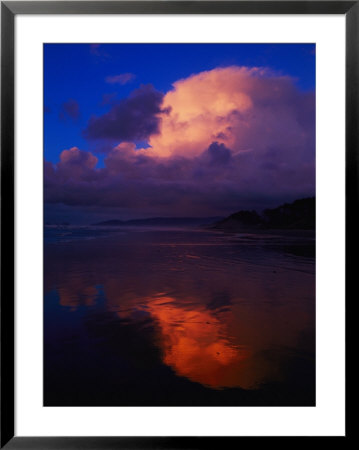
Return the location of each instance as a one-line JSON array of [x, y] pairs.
[[122, 78], [247, 109]]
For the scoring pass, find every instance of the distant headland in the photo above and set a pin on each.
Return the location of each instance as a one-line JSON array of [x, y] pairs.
[[298, 215]]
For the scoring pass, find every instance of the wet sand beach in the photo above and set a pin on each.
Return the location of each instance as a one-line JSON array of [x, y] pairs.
[[179, 317]]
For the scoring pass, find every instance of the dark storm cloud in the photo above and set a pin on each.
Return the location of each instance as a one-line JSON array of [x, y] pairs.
[[70, 110], [137, 183], [218, 154], [133, 118]]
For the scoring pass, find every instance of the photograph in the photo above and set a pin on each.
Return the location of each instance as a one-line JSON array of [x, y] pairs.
[[179, 201]]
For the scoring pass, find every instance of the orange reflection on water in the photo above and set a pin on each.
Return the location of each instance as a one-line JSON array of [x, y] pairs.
[[228, 346], [194, 343], [76, 294]]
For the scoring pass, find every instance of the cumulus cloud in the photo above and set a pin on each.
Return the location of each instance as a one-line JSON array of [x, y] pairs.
[[122, 78], [220, 141], [75, 159], [243, 108], [70, 110], [133, 118]]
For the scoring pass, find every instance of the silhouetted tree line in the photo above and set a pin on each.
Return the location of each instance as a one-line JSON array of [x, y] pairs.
[[299, 215]]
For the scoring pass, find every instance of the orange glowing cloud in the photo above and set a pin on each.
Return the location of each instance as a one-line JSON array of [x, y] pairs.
[[216, 105]]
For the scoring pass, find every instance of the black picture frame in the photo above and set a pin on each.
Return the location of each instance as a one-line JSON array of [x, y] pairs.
[[9, 9]]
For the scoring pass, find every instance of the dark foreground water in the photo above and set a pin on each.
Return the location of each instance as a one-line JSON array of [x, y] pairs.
[[151, 317]]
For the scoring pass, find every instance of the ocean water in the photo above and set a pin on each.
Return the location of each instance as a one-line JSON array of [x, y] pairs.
[[178, 317]]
